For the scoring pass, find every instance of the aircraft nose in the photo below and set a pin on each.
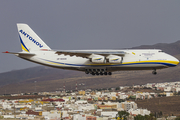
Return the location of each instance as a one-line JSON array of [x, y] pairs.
[[175, 61]]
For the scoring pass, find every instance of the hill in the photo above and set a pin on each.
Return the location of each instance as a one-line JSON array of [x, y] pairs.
[[171, 48], [43, 78], [162, 104]]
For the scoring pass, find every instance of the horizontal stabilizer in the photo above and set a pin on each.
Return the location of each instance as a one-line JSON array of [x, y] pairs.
[[20, 53]]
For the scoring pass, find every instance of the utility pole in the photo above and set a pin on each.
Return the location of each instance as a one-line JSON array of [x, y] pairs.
[[64, 88], [35, 86], [76, 87]]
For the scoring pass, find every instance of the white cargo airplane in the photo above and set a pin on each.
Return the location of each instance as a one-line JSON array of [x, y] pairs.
[[95, 62]]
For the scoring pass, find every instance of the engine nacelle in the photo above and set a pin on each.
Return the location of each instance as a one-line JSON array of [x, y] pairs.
[[98, 59], [115, 59]]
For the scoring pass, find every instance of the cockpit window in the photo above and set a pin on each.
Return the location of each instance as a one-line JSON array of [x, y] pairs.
[[161, 51]]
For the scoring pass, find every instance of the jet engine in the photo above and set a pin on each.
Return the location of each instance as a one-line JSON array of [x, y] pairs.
[[114, 59], [98, 59]]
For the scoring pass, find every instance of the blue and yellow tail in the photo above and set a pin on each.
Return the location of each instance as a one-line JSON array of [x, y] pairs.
[[29, 40]]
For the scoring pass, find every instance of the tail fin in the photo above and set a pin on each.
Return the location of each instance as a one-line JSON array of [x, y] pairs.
[[30, 41]]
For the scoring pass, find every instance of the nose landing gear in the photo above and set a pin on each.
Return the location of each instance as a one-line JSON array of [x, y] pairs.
[[154, 72]]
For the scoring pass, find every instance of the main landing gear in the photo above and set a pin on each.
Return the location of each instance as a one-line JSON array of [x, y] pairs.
[[154, 72], [97, 72], [101, 73]]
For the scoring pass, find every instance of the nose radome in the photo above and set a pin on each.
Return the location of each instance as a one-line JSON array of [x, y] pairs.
[[176, 61]]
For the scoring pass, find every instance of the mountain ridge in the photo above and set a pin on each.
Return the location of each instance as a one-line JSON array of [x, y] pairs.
[[170, 48]]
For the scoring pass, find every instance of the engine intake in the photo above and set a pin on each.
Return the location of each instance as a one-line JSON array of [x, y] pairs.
[[98, 59], [114, 59]]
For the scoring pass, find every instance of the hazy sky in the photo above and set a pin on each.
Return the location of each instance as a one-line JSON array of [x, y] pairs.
[[92, 24]]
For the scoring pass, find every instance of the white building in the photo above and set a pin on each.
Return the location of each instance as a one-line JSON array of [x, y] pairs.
[[52, 115], [142, 112], [111, 114], [167, 89], [79, 117], [178, 89], [127, 105]]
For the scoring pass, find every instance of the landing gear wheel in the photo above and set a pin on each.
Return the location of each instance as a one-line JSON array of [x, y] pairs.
[[93, 73], [154, 72], [101, 73], [97, 73], [87, 72], [109, 73], [105, 73]]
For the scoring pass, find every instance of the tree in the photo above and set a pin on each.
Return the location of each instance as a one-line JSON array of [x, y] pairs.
[[160, 114], [122, 115], [178, 118], [139, 117], [117, 88], [121, 100], [146, 117]]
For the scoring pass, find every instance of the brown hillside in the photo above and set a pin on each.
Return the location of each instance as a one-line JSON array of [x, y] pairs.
[[168, 105], [171, 48]]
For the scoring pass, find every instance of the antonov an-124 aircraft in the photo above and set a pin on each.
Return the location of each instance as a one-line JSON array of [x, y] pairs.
[[95, 62]]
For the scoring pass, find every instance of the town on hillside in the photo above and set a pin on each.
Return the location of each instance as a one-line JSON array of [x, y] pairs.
[[153, 101]]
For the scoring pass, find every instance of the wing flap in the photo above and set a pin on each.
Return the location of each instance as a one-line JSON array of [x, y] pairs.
[[74, 53], [86, 54]]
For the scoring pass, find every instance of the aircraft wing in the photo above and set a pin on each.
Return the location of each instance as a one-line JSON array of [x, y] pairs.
[[86, 54]]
